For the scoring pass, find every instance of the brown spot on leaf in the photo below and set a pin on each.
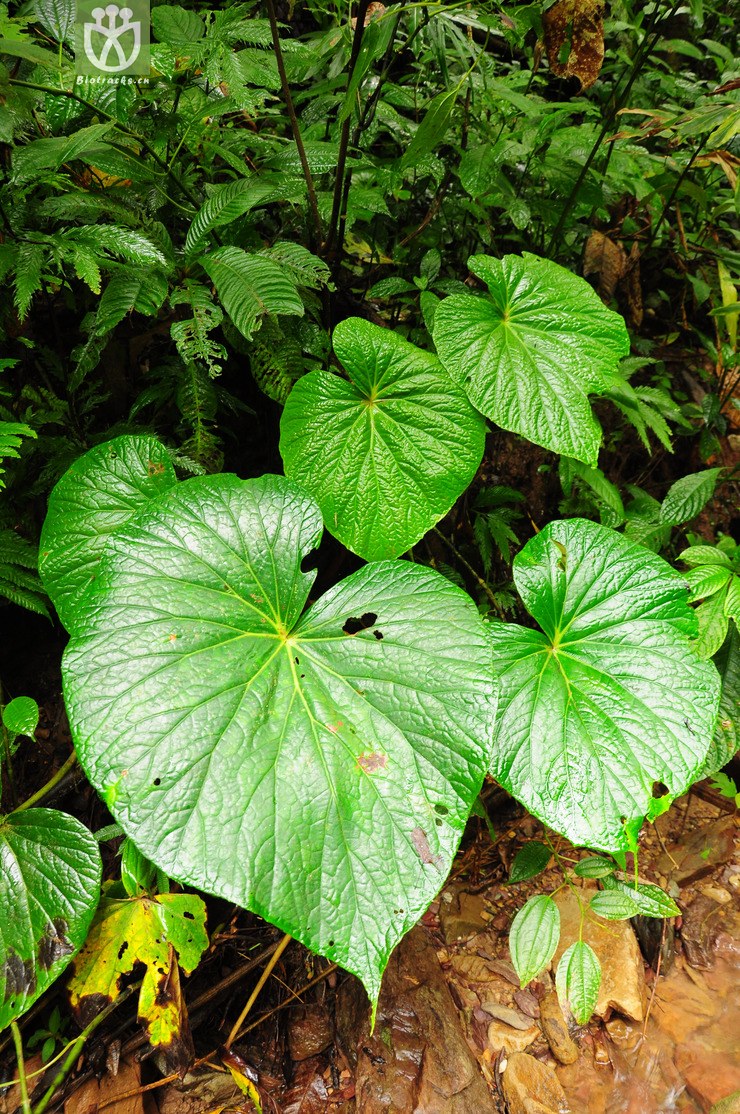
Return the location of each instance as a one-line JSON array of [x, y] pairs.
[[423, 850], [155, 469], [19, 976], [88, 1008], [574, 39], [371, 763], [54, 944]]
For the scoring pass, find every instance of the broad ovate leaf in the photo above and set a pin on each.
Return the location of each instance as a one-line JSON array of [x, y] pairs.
[[49, 887], [688, 496], [163, 932], [531, 352], [96, 495], [726, 739], [315, 768], [609, 697], [649, 900], [529, 861], [20, 716], [386, 452], [578, 979], [533, 937]]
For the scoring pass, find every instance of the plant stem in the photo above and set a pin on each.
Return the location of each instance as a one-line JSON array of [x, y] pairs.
[[53, 780], [269, 968], [466, 565], [344, 135], [25, 1104], [295, 127], [76, 1047]]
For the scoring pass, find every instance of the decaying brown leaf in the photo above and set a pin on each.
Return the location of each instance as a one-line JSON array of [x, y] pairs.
[[574, 39], [606, 259]]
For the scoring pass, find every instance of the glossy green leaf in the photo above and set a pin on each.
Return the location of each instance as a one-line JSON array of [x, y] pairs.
[[431, 130], [705, 580], [49, 887], [594, 867], [176, 26], [650, 900], [100, 491], [386, 452], [529, 861], [713, 624], [578, 980], [530, 353], [688, 496], [21, 716], [726, 741], [613, 905], [610, 697], [249, 286], [317, 769], [533, 937]]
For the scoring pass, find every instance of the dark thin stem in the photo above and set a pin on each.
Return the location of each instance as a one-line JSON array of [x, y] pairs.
[[672, 195], [344, 135], [17, 1041], [277, 50], [121, 127], [466, 565]]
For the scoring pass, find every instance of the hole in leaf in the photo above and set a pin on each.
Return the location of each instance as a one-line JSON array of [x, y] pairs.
[[441, 810], [189, 916], [378, 634], [123, 948], [297, 661], [354, 626], [157, 781], [659, 789]]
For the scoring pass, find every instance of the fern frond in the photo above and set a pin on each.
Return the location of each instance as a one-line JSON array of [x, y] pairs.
[[11, 437], [197, 402], [191, 335], [19, 580], [276, 359], [29, 264], [301, 265]]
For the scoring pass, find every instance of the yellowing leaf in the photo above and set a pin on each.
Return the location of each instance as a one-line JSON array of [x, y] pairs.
[[729, 298], [154, 931]]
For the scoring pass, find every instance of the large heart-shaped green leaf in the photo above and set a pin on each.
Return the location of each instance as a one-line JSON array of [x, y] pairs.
[[99, 492], [318, 770], [611, 698], [387, 452], [530, 353], [49, 888]]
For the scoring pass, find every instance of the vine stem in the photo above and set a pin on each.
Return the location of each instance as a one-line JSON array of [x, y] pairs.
[[47, 788], [76, 1047], [479, 580], [269, 968], [17, 1041], [295, 127], [344, 134]]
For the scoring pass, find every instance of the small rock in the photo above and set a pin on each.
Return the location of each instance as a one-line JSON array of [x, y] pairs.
[[310, 1032], [506, 1014], [699, 853], [700, 926], [622, 979], [473, 968], [531, 1087], [503, 1036], [555, 1029], [716, 893], [681, 1006], [622, 1034], [464, 915], [710, 1076]]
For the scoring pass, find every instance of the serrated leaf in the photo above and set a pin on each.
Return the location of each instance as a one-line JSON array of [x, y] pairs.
[[650, 900], [301, 265], [531, 352], [713, 623], [21, 716], [706, 580], [611, 698], [385, 452], [732, 599], [594, 867], [688, 496], [100, 492], [613, 905], [130, 289], [249, 287], [529, 861], [533, 937], [578, 979], [160, 932], [233, 200], [726, 739], [176, 26], [317, 769], [49, 887], [56, 16]]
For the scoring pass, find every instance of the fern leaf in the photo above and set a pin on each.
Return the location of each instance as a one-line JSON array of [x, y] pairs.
[[28, 269], [276, 360], [197, 401], [127, 290], [301, 265], [229, 202], [249, 287], [191, 335], [11, 436]]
